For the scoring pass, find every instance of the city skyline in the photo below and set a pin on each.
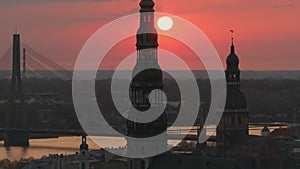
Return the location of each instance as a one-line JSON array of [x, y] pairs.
[[149, 115]]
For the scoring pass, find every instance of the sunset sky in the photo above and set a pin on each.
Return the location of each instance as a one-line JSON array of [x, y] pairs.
[[267, 32]]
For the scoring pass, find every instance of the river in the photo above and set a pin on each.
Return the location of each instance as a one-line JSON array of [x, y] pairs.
[[68, 145]]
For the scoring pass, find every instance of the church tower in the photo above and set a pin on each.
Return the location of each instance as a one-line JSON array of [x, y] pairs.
[[143, 83], [84, 154], [234, 122]]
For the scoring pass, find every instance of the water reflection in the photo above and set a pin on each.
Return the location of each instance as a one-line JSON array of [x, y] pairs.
[[70, 145]]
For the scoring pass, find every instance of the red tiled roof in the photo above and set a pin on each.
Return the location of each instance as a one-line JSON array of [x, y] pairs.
[[283, 133]]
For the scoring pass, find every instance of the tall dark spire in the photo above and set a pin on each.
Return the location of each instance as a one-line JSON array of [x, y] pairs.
[[147, 6], [147, 77], [232, 42], [234, 122], [146, 80], [147, 34], [232, 70]]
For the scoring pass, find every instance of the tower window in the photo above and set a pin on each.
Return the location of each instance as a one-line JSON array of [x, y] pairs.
[[232, 120]]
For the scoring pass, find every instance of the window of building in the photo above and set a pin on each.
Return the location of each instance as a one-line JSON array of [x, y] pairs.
[[143, 166]]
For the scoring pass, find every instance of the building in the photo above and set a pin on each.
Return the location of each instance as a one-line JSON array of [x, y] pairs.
[[83, 155], [233, 139], [284, 133], [195, 161], [147, 76], [265, 131], [234, 122]]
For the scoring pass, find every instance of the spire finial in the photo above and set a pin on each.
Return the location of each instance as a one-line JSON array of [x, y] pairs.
[[232, 36], [232, 39]]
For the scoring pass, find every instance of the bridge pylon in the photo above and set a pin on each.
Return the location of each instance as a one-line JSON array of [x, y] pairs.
[[16, 117]]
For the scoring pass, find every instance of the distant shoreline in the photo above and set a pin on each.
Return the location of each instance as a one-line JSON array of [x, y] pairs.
[[199, 74]]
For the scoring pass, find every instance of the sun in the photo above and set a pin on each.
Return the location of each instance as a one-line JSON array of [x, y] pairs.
[[165, 23]]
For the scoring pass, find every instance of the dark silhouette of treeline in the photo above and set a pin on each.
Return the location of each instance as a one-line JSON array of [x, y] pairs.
[[48, 102]]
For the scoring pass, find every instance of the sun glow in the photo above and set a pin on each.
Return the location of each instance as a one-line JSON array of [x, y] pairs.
[[165, 23]]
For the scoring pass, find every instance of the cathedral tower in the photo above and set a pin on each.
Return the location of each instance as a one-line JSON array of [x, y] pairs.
[[143, 83], [234, 122], [84, 154]]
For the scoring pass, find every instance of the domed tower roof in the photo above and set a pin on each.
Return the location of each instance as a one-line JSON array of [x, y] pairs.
[[232, 61], [147, 6], [232, 71], [84, 145], [235, 97]]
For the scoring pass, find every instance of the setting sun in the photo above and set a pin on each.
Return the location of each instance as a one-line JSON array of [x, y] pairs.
[[165, 23]]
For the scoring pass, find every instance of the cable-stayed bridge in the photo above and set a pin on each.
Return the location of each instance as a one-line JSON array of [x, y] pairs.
[[20, 61], [32, 64]]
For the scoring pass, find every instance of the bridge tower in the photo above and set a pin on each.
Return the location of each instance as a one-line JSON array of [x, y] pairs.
[[15, 118]]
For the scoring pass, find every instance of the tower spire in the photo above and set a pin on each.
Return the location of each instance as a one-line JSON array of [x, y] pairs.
[[232, 61], [147, 34], [232, 36], [234, 122], [147, 6], [147, 76], [232, 41]]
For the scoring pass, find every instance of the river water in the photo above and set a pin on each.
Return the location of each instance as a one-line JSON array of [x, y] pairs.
[[68, 145]]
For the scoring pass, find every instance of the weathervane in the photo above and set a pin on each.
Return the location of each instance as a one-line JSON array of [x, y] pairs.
[[232, 38]]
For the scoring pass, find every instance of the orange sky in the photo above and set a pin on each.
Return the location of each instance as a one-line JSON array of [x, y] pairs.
[[267, 31]]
